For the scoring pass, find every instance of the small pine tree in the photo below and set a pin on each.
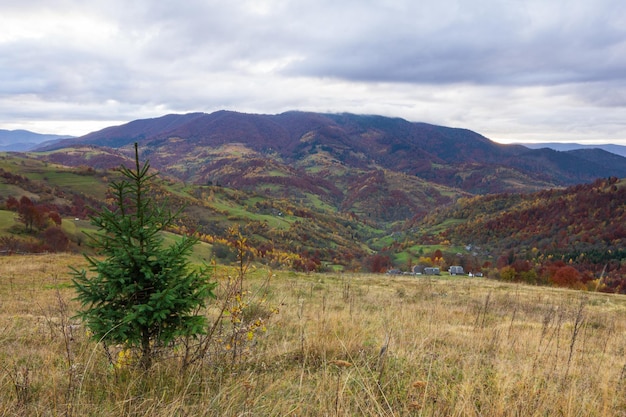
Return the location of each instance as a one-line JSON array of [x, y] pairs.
[[143, 295]]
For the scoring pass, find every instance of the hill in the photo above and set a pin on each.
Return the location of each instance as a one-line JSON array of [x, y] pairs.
[[581, 226], [448, 156], [280, 232]]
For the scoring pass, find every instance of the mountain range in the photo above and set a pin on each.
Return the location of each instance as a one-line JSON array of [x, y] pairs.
[[328, 154], [557, 146], [24, 140]]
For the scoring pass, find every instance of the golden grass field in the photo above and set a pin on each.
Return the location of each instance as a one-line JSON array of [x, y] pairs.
[[330, 345]]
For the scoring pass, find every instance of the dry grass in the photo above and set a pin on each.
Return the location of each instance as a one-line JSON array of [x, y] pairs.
[[341, 345]]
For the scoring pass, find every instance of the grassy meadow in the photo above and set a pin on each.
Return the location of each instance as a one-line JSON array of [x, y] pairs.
[[322, 345]]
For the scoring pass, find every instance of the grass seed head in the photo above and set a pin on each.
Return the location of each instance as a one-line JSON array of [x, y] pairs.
[[341, 363], [414, 405], [419, 384]]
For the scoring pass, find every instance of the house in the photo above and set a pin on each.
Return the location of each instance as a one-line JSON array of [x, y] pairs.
[[456, 270]]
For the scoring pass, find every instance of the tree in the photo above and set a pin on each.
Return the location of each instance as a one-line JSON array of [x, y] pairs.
[[55, 239], [33, 216], [28, 213], [12, 204], [55, 218], [144, 295], [567, 276], [378, 262]]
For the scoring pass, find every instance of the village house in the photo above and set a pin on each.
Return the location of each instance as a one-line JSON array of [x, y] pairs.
[[456, 270]]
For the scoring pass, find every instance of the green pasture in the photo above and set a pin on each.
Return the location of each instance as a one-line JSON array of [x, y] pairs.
[[7, 219], [401, 260], [52, 174], [14, 163], [384, 241], [238, 212], [85, 184], [317, 203], [77, 229]]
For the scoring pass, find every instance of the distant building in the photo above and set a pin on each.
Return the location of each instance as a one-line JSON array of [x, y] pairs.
[[429, 270], [418, 269], [456, 270]]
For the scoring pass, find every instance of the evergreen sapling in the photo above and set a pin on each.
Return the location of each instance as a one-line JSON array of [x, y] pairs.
[[142, 294]]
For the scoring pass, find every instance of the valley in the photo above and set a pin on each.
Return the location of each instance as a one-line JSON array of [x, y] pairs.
[[325, 192]]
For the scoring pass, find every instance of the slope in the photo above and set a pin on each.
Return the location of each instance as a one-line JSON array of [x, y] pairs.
[[280, 232]]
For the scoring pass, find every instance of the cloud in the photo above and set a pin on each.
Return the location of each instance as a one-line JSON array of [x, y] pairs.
[[516, 68], [482, 42]]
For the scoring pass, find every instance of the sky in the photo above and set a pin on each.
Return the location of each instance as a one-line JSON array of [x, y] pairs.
[[511, 70]]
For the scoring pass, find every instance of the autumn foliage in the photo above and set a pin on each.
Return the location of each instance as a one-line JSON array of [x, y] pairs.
[[40, 221], [33, 216], [571, 237]]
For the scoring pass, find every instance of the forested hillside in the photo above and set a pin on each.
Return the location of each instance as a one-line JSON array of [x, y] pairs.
[[580, 226], [46, 207], [183, 145]]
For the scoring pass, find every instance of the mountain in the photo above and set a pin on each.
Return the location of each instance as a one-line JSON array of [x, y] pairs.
[[448, 156], [24, 140], [615, 149]]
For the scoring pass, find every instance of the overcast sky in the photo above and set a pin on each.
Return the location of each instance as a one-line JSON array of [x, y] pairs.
[[512, 70]]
